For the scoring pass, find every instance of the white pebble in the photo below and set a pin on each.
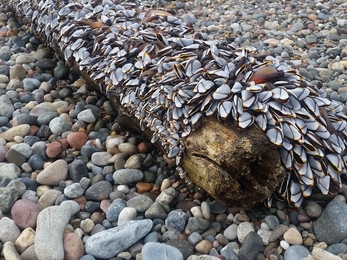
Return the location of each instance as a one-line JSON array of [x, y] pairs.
[[196, 211], [123, 188], [264, 226], [126, 214], [284, 244], [205, 209]]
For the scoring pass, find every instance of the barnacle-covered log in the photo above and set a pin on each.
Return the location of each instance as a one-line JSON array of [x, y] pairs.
[[176, 83]]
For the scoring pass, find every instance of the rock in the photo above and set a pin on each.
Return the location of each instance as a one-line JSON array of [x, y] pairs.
[[19, 130], [101, 158], [321, 254], [73, 247], [251, 246], [73, 191], [29, 254], [231, 232], [54, 173], [166, 196], [77, 170], [126, 214], [25, 240], [9, 170], [140, 202], [272, 221], [17, 72], [313, 209], [24, 213], [114, 209], [9, 232], [277, 232], [6, 107], [77, 139], [133, 162], [296, 252], [48, 198], [243, 229], [293, 236], [160, 251], [142, 187], [203, 247], [110, 242], [10, 252], [55, 148], [99, 191], [156, 211], [58, 126], [264, 234], [51, 223], [197, 225], [329, 227], [8, 196], [126, 176], [176, 220], [128, 148]]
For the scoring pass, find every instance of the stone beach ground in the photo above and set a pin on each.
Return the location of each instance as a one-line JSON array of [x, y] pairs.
[[75, 185]]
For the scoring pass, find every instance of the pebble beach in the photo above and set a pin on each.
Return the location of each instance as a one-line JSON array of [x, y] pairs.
[[76, 185]]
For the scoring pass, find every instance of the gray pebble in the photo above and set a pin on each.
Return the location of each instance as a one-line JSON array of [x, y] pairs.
[[58, 126], [110, 242], [176, 220], [6, 107], [161, 251], [126, 176], [114, 209], [73, 191], [296, 252], [140, 202], [99, 191]]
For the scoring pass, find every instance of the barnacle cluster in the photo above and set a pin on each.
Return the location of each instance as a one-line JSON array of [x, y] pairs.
[[170, 78]]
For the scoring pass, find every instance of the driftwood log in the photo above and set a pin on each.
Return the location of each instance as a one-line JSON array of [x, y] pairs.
[[173, 84]]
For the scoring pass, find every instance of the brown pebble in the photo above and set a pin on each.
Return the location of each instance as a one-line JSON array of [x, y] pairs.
[[73, 247], [143, 147], [77, 139], [56, 148], [243, 217], [82, 202], [186, 205], [33, 130], [165, 184], [293, 236], [142, 187], [270, 247], [203, 247], [97, 217]]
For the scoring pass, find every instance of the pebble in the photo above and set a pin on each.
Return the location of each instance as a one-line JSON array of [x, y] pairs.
[[126, 214], [54, 173], [160, 251], [333, 216], [99, 191], [9, 232], [140, 202], [115, 209], [292, 236], [24, 213], [251, 246], [296, 252], [176, 220], [25, 240], [243, 229], [110, 242], [126, 176], [73, 247]]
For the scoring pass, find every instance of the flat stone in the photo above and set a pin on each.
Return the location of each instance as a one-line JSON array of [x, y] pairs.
[[330, 227], [251, 246], [110, 242], [243, 229], [51, 223], [73, 247], [9, 232], [140, 202], [25, 239], [54, 173], [101, 158], [9, 170], [77, 139], [126, 176], [24, 213], [19, 130], [8, 196], [99, 191], [296, 252]]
